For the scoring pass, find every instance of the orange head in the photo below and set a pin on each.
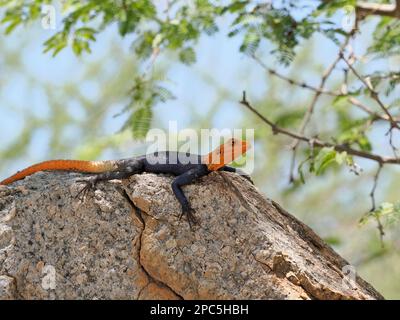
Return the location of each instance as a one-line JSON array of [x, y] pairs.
[[225, 153]]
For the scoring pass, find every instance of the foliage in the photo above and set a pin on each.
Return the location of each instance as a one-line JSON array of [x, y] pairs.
[[143, 95], [319, 161], [387, 38], [178, 26], [387, 212]]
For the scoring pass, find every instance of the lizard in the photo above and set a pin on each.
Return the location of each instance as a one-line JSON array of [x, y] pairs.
[[185, 166]]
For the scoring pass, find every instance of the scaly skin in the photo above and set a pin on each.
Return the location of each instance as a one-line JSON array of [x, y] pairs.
[[64, 165], [187, 168]]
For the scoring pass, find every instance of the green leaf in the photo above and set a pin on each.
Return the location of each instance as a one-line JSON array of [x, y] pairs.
[[126, 26], [387, 211], [235, 6], [86, 33], [325, 157], [251, 42], [76, 47], [162, 94], [11, 27], [340, 100], [187, 56], [140, 122], [341, 157], [386, 38]]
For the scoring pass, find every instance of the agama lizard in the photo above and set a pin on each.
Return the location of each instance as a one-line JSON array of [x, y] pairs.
[[187, 167]]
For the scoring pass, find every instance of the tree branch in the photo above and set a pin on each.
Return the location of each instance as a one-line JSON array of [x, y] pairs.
[[365, 9], [291, 81], [372, 195], [374, 94], [317, 142], [375, 115]]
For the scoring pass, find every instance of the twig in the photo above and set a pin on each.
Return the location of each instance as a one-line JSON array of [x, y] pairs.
[[310, 109], [372, 195], [374, 94], [373, 114], [364, 9], [390, 76], [381, 231], [391, 143], [295, 82], [317, 142]]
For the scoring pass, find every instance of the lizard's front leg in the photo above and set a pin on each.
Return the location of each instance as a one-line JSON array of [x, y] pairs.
[[181, 180]]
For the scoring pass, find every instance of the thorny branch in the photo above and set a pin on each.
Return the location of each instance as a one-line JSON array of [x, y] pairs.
[[317, 142]]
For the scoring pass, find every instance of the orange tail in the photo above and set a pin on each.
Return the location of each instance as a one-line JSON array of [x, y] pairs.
[[66, 165]]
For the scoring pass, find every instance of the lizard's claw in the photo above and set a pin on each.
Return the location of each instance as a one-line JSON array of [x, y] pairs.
[[89, 185], [248, 178], [189, 212], [244, 175]]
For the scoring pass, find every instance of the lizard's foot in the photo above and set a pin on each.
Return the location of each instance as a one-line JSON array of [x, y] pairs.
[[248, 178], [90, 184], [188, 211], [244, 175]]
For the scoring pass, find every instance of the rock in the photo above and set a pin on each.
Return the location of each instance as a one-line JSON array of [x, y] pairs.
[[7, 288], [125, 241]]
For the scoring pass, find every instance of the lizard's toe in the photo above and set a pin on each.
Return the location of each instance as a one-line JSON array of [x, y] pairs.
[[189, 213], [89, 185], [248, 178]]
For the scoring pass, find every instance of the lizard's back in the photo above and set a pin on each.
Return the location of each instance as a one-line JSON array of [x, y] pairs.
[[171, 162]]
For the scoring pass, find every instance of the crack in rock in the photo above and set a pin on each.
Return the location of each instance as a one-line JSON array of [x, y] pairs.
[[151, 280]]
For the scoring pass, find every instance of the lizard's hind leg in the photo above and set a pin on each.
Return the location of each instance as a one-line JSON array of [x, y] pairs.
[[90, 182], [125, 170]]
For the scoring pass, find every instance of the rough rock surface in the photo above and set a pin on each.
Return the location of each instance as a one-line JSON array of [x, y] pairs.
[[125, 241]]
